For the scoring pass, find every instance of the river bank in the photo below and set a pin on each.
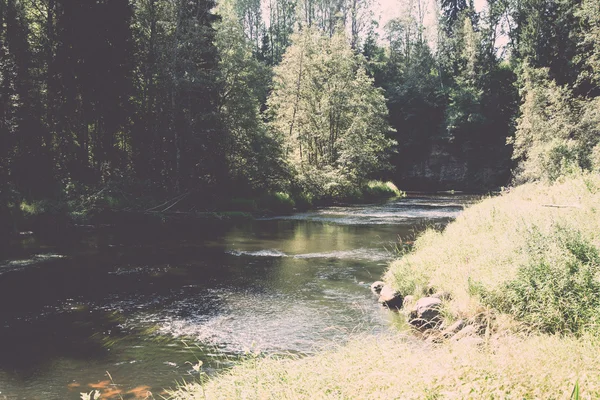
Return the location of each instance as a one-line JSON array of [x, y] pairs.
[[119, 209], [523, 265]]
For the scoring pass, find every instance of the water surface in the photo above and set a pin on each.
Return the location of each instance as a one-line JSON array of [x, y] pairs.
[[144, 305]]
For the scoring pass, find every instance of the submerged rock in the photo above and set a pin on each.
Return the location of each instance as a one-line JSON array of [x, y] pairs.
[[426, 313], [376, 287], [390, 298]]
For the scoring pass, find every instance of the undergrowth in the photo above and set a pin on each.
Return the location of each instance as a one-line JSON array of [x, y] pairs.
[[531, 253]]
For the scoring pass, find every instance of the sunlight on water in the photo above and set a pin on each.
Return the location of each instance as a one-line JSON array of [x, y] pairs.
[[355, 254], [36, 259], [396, 212], [259, 253], [290, 284]]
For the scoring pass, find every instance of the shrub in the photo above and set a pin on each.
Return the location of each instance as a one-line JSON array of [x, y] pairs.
[[35, 208], [304, 201], [375, 190], [558, 289]]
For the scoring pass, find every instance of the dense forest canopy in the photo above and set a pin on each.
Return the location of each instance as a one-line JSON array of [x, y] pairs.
[[310, 97]]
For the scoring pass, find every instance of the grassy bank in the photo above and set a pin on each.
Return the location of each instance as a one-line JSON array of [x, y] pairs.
[[531, 253], [117, 206], [393, 367], [526, 262]]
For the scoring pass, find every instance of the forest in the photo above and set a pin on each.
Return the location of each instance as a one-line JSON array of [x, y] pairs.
[[213, 172], [307, 99]]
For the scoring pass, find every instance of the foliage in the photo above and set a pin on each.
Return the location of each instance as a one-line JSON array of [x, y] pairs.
[[530, 253], [589, 16], [328, 115], [278, 202], [556, 132], [237, 204], [253, 156], [558, 289], [377, 190]]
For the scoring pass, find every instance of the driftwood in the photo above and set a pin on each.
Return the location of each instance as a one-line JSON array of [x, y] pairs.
[[168, 204]]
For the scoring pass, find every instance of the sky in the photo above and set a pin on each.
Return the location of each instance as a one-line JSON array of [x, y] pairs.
[[386, 10]]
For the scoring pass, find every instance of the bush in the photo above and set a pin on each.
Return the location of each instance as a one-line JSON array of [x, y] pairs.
[[375, 190], [558, 290], [35, 208], [304, 201]]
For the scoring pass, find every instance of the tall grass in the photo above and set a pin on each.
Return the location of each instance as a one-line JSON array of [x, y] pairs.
[[494, 249]]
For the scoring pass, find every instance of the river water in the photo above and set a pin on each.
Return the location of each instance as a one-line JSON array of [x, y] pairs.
[[145, 305]]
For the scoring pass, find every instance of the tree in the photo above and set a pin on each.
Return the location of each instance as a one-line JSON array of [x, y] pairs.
[[253, 156], [22, 134], [415, 97], [451, 11], [546, 36], [327, 113], [556, 132], [589, 46]]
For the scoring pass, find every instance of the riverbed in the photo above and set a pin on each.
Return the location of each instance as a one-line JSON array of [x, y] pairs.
[[145, 306]]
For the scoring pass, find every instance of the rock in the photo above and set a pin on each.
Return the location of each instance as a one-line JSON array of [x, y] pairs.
[[467, 331], [444, 296], [376, 287], [408, 302], [390, 298], [453, 329], [426, 313]]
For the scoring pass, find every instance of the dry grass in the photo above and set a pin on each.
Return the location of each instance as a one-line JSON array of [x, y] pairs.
[[538, 367]]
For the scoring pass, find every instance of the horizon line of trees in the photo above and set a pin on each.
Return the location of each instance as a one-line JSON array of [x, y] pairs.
[[171, 96]]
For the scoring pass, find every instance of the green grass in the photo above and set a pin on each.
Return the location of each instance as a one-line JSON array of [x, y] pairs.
[[527, 261], [531, 252], [375, 190]]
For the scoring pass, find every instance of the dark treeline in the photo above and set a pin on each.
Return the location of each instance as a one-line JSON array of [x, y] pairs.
[[303, 97]]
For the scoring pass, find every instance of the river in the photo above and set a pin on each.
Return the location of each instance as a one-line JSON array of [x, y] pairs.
[[144, 306]]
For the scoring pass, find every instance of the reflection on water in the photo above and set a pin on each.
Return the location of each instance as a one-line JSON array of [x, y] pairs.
[[132, 303]]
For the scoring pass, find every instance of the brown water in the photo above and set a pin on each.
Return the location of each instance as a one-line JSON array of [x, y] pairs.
[[145, 305]]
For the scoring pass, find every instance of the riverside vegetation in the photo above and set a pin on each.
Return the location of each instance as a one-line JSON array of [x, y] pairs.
[[523, 265]]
